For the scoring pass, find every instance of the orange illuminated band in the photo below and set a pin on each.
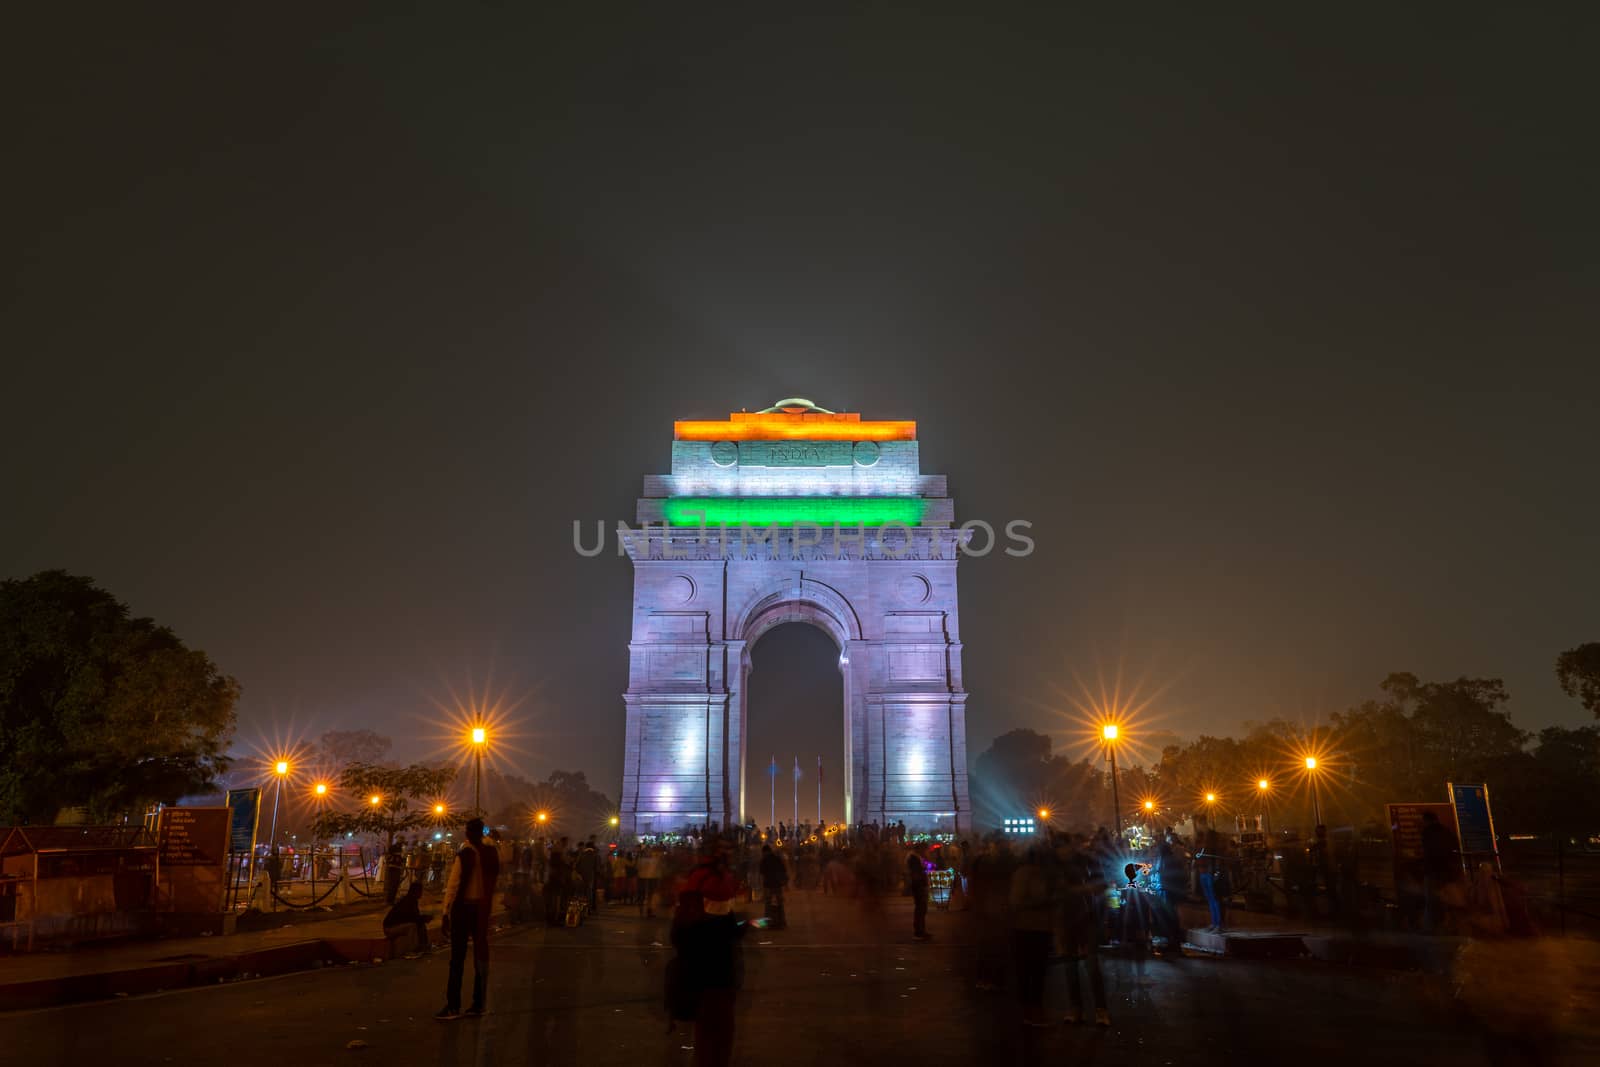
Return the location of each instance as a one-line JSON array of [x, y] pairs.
[[749, 426]]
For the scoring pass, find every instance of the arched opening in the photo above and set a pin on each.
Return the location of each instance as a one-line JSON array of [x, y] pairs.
[[795, 708]]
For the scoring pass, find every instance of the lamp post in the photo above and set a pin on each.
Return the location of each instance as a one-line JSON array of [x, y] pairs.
[[281, 769], [479, 737], [1109, 731], [319, 794], [1211, 810], [1263, 786], [1316, 795]]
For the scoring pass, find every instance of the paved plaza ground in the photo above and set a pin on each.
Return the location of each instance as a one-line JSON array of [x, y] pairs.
[[845, 984]]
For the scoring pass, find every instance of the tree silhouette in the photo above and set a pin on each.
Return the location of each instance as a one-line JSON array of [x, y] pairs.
[[1578, 671], [101, 709], [405, 797]]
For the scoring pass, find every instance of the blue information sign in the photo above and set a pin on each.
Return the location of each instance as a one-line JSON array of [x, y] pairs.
[[245, 805], [1474, 823]]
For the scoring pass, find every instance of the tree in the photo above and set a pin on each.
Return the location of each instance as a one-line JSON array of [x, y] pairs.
[[405, 800], [101, 709], [1011, 776], [574, 807], [1578, 671], [338, 749]]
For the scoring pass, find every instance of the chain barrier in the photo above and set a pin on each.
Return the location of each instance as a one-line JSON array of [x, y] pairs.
[[304, 907]]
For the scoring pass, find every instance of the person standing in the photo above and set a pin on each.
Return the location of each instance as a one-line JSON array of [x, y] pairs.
[[1440, 867], [468, 894], [992, 871], [774, 877], [707, 970], [649, 878], [588, 871], [394, 862], [1168, 878], [1208, 862], [1032, 915], [917, 886], [557, 885], [1083, 887]]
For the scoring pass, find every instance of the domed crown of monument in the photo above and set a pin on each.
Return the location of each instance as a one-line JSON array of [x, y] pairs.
[[794, 405]]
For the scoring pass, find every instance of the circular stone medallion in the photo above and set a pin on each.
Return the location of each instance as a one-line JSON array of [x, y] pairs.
[[914, 589], [724, 453], [866, 453], [679, 589]]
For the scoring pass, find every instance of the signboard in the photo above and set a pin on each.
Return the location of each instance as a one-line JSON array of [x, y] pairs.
[[1405, 825], [245, 804], [193, 837], [1474, 823], [1405, 830]]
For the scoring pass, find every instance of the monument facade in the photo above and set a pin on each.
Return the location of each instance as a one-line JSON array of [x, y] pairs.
[[794, 513]]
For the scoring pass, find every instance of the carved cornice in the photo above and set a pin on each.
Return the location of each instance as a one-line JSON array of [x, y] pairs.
[[679, 544]]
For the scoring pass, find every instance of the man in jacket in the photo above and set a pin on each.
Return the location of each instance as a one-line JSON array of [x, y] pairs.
[[917, 886], [774, 876], [468, 896]]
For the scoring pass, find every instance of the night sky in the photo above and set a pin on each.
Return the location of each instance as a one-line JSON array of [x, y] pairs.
[[319, 334]]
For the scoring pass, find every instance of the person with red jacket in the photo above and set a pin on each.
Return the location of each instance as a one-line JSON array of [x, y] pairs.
[[704, 978]]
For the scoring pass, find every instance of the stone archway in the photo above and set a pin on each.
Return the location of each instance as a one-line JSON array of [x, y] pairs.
[[816, 605], [794, 515]]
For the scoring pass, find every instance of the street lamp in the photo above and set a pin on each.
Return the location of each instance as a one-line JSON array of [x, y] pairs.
[[319, 795], [1109, 731], [1044, 815], [1316, 795], [281, 769], [480, 737], [1211, 813], [375, 800], [1263, 787]]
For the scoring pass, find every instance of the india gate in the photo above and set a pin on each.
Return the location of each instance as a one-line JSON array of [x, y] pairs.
[[794, 514]]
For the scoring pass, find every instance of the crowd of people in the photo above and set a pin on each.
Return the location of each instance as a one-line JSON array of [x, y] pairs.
[[1033, 899]]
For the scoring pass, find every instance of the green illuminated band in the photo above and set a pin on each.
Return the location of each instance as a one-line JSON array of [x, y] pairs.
[[788, 510]]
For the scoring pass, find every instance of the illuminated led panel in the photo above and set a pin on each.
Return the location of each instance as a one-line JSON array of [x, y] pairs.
[[788, 510], [780, 427]]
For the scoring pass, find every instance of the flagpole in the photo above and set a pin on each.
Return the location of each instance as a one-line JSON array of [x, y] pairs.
[[819, 790], [797, 790], [772, 810]]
